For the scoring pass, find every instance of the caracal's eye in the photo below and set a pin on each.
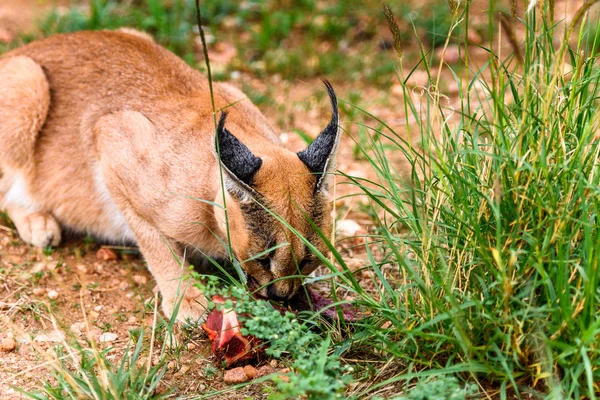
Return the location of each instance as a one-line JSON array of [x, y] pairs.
[[265, 260]]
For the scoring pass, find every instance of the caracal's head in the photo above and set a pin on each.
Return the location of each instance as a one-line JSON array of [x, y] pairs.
[[273, 197]]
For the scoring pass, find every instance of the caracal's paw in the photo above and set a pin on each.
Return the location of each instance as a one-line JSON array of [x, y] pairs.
[[190, 307], [40, 230]]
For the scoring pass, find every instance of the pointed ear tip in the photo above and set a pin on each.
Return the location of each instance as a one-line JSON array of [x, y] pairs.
[[329, 87], [222, 119]]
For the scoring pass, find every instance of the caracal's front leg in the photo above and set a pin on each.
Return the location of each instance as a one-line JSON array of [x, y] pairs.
[[126, 140], [165, 261]]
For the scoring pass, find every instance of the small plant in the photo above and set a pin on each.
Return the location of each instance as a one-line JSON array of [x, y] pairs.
[[95, 377], [440, 388], [316, 371]]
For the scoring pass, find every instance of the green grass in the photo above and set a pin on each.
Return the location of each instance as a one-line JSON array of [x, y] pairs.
[[296, 40], [485, 254], [493, 241]]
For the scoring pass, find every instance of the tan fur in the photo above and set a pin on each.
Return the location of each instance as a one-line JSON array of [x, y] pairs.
[[109, 133]]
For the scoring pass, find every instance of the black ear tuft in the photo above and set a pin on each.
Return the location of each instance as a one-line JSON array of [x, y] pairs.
[[235, 156], [317, 157]]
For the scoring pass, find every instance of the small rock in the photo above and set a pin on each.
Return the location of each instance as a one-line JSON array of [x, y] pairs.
[[24, 350], [24, 339], [6, 36], [190, 346], [52, 337], [99, 268], [132, 320], [347, 228], [140, 279], [105, 254], [78, 328], [273, 363], [250, 371], [235, 375], [107, 337], [8, 344], [38, 291], [123, 286], [53, 295], [263, 371], [171, 365], [82, 268], [98, 308], [94, 315], [184, 369], [141, 361]]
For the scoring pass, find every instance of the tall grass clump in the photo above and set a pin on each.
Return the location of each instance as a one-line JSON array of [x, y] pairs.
[[491, 240]]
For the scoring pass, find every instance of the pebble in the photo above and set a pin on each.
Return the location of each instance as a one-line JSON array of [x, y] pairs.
[[106, 254], [38, 291], [53, 337], [123, 286], [108, 337], [235, 375], [8, 344], [263, 371], [250, 371], [348, 227], [53, 295], [6, 36], [78, 328], [82, 268], [140, 279], [184, 369]]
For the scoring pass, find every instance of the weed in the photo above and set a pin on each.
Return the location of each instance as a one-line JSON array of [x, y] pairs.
[[317, 371], [95, 376]]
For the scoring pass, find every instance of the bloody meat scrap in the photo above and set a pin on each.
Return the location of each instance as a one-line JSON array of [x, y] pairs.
[[230, 346], [228, 343]]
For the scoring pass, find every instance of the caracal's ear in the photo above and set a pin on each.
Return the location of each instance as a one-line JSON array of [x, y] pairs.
[[320, 156], [238, 162]]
